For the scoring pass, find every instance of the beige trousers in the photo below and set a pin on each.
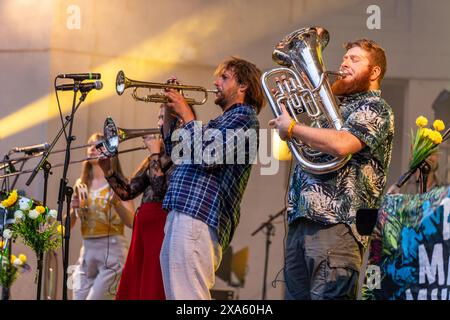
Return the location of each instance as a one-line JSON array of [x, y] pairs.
[[99, 268], [190, 255]]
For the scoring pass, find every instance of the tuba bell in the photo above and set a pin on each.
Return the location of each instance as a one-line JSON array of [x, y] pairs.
[[114, 135], [302, 85]]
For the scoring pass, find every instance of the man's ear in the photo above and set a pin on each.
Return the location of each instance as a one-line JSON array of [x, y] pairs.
[[243, 87], [375, 73]]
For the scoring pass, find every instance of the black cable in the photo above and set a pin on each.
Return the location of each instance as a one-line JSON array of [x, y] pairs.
[[17, 177], [113, 286], [65, 135], [276, 280], [286, 199], [5, 184], [59, 109], [6, 170]]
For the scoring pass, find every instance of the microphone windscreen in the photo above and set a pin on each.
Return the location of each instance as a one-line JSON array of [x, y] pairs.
[[98, 85]]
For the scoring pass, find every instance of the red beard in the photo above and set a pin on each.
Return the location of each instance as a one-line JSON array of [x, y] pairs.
[[355, 84]]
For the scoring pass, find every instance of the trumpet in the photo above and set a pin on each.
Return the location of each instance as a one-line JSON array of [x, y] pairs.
[[123, 83], [112, 136]]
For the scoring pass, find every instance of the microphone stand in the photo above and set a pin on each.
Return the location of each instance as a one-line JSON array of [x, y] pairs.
[[17, 177], [366, 218], [64, 191], [8, 168], [13, 170], [424, 168], [269, 231], [6, 292], [46, 167]]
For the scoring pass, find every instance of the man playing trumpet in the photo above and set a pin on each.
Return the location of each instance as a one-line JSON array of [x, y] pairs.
[[203, 197]]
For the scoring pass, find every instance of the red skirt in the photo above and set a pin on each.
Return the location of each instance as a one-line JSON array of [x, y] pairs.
[[141, 276]]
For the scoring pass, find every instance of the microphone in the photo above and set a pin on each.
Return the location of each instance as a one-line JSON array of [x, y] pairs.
[[80, 76], [32, 149], [83, 87]]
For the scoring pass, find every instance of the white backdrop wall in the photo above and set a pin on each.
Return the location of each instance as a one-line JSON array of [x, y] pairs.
[[151, 40]]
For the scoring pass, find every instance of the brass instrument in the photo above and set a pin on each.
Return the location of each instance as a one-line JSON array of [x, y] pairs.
[[13, 161], [112, 136], [302, 86], [108, 146], [123, 83]]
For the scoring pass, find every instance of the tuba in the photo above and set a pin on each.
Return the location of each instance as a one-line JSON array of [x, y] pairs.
[[302, 85], [114, 135]]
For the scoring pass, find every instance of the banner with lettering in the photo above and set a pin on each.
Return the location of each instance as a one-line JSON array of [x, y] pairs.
[[409, 249]]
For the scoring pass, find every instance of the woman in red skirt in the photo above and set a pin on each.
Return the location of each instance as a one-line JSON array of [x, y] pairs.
[[141, 276]]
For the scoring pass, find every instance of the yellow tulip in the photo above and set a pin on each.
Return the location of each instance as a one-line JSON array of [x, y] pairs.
[[439, 125], [425, 132], [23, 258], [435, 137], [60, 229], [421, 121], [431, 135], [13, 257], [438, 138], [40, 209]]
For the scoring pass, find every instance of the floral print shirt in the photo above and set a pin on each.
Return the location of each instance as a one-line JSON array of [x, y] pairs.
[[335, 197]]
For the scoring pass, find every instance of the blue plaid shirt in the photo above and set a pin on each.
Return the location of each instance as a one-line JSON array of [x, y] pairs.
[[211, 191]]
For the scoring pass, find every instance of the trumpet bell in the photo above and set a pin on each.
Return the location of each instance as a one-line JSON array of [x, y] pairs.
[[113, 136], [120, 83]]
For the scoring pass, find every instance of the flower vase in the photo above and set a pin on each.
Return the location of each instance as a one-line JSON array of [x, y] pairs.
[[40, 259], [9, 275], [5, 293]]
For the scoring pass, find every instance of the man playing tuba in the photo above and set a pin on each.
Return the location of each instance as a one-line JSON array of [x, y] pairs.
[[324, 250]]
